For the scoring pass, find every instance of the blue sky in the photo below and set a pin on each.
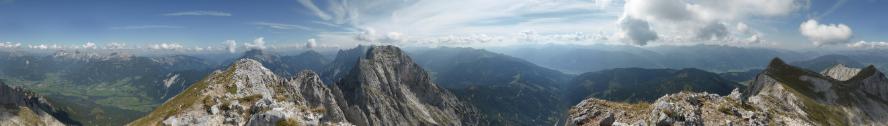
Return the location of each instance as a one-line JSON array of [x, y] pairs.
[[205, 24]]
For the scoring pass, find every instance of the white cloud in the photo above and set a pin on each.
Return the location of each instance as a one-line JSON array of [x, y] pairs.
[[636, 31], [680, 20], [865, 44], [198, 13], [825, 34], [742, 27], [166, 46], [258, 43], [282, 26], [115, 45], [231, 45], [10, 45], [312, 43], [137, 27], [366, 35], [88, 45]]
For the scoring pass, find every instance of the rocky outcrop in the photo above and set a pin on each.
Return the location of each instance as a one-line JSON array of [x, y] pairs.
[[19, 107], [688, 109], [840, 72], [249, 94], [780, 95], [387, 88]]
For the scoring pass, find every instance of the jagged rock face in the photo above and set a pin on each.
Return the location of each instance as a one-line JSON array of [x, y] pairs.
[[345, 60], [387, 88], [840, 72], [781, 95], [249, 94], [19, 107]]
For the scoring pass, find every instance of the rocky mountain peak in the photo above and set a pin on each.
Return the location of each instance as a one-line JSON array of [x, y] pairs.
[[387, 81], [248, 66], [249, 94], [386, 53], [840, 72]]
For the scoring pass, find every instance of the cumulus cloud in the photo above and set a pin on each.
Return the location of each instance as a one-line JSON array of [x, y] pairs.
[[865, 44], [636, 31], [231, 45], [88, 45], [366, 35], [312, 43], [198, 13], [713, 31], [753, 39], [166, 46], [742, 27], [674, 19], [825, 34], [258, 43]]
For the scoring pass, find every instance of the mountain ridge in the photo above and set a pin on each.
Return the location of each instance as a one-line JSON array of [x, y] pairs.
[[780, 95]]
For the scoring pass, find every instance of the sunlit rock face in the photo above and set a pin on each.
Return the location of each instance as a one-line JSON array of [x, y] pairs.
[[387, 88]]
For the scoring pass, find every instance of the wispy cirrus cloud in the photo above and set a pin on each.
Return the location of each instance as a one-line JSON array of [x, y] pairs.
[[282, 26], [199, 13], [137, 27]]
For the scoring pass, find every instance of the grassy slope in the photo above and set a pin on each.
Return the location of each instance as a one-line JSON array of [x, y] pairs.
[[184, 100]]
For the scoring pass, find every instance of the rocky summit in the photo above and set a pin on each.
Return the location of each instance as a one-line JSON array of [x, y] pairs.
[[386, 88], [249, 94], [19, 107], [780, 95]]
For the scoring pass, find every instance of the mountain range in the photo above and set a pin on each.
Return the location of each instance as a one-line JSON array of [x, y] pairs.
[[507, 90], [590, 58], [385, 85], [384, 88]]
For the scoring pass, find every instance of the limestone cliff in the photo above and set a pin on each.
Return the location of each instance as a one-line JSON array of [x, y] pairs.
[[387, 88]]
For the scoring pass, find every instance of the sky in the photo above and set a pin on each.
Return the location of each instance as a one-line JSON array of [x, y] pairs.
[[233, 25]]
